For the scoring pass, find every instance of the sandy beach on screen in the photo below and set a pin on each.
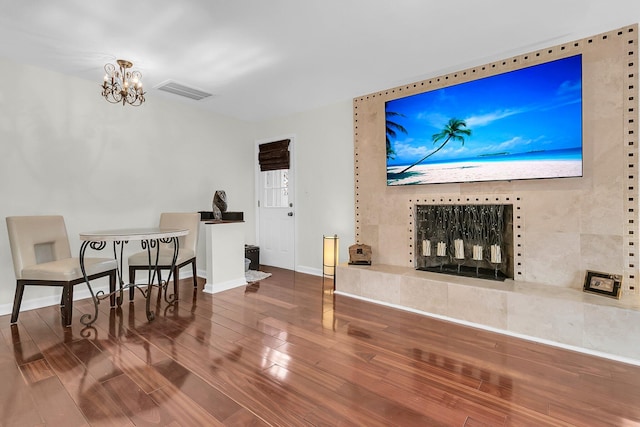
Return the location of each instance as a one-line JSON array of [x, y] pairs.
[[484, 171]]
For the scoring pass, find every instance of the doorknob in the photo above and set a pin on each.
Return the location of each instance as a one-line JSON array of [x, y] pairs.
[[290, 214]]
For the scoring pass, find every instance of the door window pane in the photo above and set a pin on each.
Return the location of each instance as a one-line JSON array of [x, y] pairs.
[[276, 188]]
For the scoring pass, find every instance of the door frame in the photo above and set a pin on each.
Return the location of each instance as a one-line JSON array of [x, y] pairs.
[[292, 172]]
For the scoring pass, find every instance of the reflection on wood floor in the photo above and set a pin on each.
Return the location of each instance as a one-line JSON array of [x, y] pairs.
[[286, 351]]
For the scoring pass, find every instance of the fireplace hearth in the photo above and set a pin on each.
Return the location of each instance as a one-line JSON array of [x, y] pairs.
[[465, 240]]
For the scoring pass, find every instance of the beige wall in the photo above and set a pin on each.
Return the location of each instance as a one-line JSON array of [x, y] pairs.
[[567, 225], [44, 124], [324, 176], [64, 150]]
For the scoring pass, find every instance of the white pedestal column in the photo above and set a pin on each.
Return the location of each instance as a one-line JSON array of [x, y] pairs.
[[225, 256]]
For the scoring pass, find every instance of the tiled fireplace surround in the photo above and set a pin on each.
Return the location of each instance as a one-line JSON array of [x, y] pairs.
[[555, 315], [558, 316], [561, 228]]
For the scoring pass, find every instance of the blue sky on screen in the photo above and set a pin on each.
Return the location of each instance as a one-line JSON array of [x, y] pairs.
[[532, 109]]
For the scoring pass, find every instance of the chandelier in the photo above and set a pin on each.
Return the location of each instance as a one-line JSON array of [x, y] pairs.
[[122, 85]]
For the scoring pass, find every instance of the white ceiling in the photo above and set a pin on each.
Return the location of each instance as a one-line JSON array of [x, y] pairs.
[[268, 58]]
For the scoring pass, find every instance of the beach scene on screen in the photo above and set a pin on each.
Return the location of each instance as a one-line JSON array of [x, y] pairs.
[[523, 124]]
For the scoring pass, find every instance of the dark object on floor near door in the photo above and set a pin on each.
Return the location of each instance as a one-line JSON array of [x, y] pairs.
[[253, 253]]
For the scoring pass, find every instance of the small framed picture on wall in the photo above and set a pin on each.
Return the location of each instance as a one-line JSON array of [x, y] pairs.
[[603, 284]]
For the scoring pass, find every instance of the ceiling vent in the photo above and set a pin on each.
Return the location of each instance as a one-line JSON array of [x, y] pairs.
[[182, 90]]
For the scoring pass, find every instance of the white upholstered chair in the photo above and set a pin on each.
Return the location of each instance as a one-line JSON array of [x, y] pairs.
[[186, 254], [42, 257]]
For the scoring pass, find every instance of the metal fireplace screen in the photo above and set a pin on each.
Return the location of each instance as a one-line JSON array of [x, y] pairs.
[[466, 240]]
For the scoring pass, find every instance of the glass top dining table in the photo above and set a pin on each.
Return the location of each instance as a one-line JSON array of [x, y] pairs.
[[132, 234], [150, 239]]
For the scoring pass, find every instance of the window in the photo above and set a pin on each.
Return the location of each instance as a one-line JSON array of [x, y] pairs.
[[276, 188]]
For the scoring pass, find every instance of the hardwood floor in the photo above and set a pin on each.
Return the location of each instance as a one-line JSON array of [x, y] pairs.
[[287, 352]]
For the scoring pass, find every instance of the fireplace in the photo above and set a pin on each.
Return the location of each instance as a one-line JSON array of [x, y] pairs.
[[473, 240]]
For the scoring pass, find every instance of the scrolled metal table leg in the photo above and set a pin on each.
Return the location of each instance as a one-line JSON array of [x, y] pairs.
[[148, 245], [170, 299], [87, 318], [116, 245]]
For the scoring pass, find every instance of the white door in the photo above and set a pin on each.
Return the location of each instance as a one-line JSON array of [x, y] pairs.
[[276, 216]]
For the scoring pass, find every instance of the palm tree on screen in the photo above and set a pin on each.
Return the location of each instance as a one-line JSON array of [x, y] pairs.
[[392, 129], [452, 130]]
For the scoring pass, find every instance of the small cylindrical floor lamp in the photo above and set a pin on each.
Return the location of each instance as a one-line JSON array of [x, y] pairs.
[[330, 257]]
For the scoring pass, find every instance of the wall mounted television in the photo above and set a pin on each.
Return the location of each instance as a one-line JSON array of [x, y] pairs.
[[522, 124]]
